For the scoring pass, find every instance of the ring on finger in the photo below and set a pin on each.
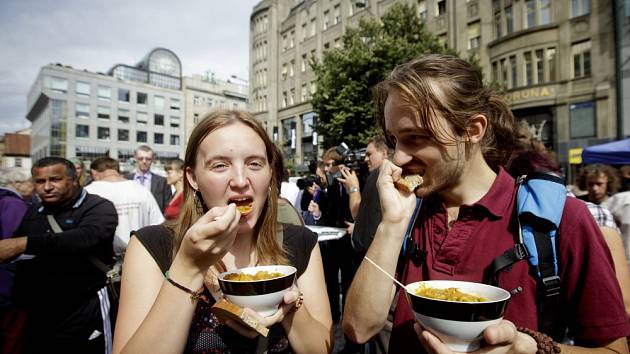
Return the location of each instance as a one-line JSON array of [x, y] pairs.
[[299, 302]]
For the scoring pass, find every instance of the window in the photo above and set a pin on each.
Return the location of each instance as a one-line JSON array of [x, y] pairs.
[[284, 71], [422, 10], [175, 120], [82, 131], [304, 61], [102, 133], [292, 68], [509, 21], [441, 8], [284, 99], [337, 14], [582, 120], [82, 110], [158, 119], [504, 71], [303, 33], [303, 93], [495, 72], [58, 84], [292, 39], [474, 37], [497, 24], [175, 140], [175, 104], [540, 66], [292, 97], [538, 12], [545, 12], [337, 42], [141, 117], [513, 72], [141, 137], [103, 112], [158, 138], [141, 98], [18, 162], [326, 20], [313, 28], [581, 59], [123, 116], [313, 87], [580, 7], [530, 10], [551, 63], [123, 95], [284, 42], [123, 134], [104, 93], [83, 89], [473, 10], [529, 76], [158, 103]]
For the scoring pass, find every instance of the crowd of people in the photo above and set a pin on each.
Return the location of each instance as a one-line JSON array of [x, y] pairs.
[[68, 228]]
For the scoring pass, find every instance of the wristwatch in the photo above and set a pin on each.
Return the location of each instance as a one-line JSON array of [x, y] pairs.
[[353, 189]]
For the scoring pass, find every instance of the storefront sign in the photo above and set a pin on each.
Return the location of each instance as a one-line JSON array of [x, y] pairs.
[[575, 156], [530, 93]]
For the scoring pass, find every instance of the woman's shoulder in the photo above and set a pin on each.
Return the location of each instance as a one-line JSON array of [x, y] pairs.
[[299, 242], [299, 234], [158, 241]]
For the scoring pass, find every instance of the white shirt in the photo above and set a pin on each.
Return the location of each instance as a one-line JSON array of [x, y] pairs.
[[290, 191], [135, 205]]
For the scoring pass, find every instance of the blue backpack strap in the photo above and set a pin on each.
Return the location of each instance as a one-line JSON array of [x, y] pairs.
[[539, 205]]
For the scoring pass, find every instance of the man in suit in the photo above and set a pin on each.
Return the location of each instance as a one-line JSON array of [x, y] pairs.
[[156, 184]]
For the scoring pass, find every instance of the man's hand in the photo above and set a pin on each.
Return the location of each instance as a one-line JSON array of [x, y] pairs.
[[396, 206], [498, 339], [11, 248], [313, 208]]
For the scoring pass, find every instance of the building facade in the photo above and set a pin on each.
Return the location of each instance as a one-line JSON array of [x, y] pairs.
[[77, 113], [556, 60], [203, 93], [15, 150]]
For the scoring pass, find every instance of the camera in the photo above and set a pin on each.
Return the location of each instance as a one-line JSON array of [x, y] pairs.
[[351, 158]]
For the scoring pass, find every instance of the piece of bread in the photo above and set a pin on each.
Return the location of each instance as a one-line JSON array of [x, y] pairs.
[[408, 183], [226, 310]]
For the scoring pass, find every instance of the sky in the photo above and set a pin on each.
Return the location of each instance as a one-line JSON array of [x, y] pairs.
[[95, 35]]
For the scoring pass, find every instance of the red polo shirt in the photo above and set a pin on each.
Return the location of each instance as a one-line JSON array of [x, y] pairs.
[[484, 231]]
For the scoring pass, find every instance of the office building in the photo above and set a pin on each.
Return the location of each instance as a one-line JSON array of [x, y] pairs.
[[88, 115], [556, 60]]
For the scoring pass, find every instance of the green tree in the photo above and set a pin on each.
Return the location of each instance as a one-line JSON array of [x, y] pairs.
[[345, 76]]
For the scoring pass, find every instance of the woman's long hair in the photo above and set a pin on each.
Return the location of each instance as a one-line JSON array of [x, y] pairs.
[[268, 248]]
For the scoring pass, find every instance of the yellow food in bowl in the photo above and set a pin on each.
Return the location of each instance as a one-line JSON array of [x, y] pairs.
[[449, 294], [260, 275]]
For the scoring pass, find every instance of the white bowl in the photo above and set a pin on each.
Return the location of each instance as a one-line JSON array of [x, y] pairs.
[[459, 325], [262, 296]]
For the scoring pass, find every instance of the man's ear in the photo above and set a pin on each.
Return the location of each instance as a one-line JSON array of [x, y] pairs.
[[192, 180], [476, 129]]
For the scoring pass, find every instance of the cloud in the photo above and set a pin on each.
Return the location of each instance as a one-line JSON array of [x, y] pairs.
[[205, 34]]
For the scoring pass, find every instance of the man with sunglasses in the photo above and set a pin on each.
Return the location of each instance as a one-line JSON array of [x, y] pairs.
[[162, 192]]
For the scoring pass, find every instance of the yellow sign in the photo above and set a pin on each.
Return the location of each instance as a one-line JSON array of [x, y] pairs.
[[532, 93], [575, 156]]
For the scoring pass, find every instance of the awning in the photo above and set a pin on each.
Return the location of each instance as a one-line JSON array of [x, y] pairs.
[[615, 153]]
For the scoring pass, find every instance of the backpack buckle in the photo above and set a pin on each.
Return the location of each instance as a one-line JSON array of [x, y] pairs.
[[520, 251], [552, 286]]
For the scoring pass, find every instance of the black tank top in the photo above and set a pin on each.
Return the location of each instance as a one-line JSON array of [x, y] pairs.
[[207, 334]]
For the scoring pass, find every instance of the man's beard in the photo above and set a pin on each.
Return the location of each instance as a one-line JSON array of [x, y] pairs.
[[448, 178]]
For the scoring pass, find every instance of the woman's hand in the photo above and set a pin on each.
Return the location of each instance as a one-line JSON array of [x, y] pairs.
[[292, 301], [349, 180], [498, 339], [207, 241], [313, 208], [396, 206]]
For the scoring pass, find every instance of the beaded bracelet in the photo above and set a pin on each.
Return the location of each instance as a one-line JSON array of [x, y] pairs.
[[545, 344], [194, 295]]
